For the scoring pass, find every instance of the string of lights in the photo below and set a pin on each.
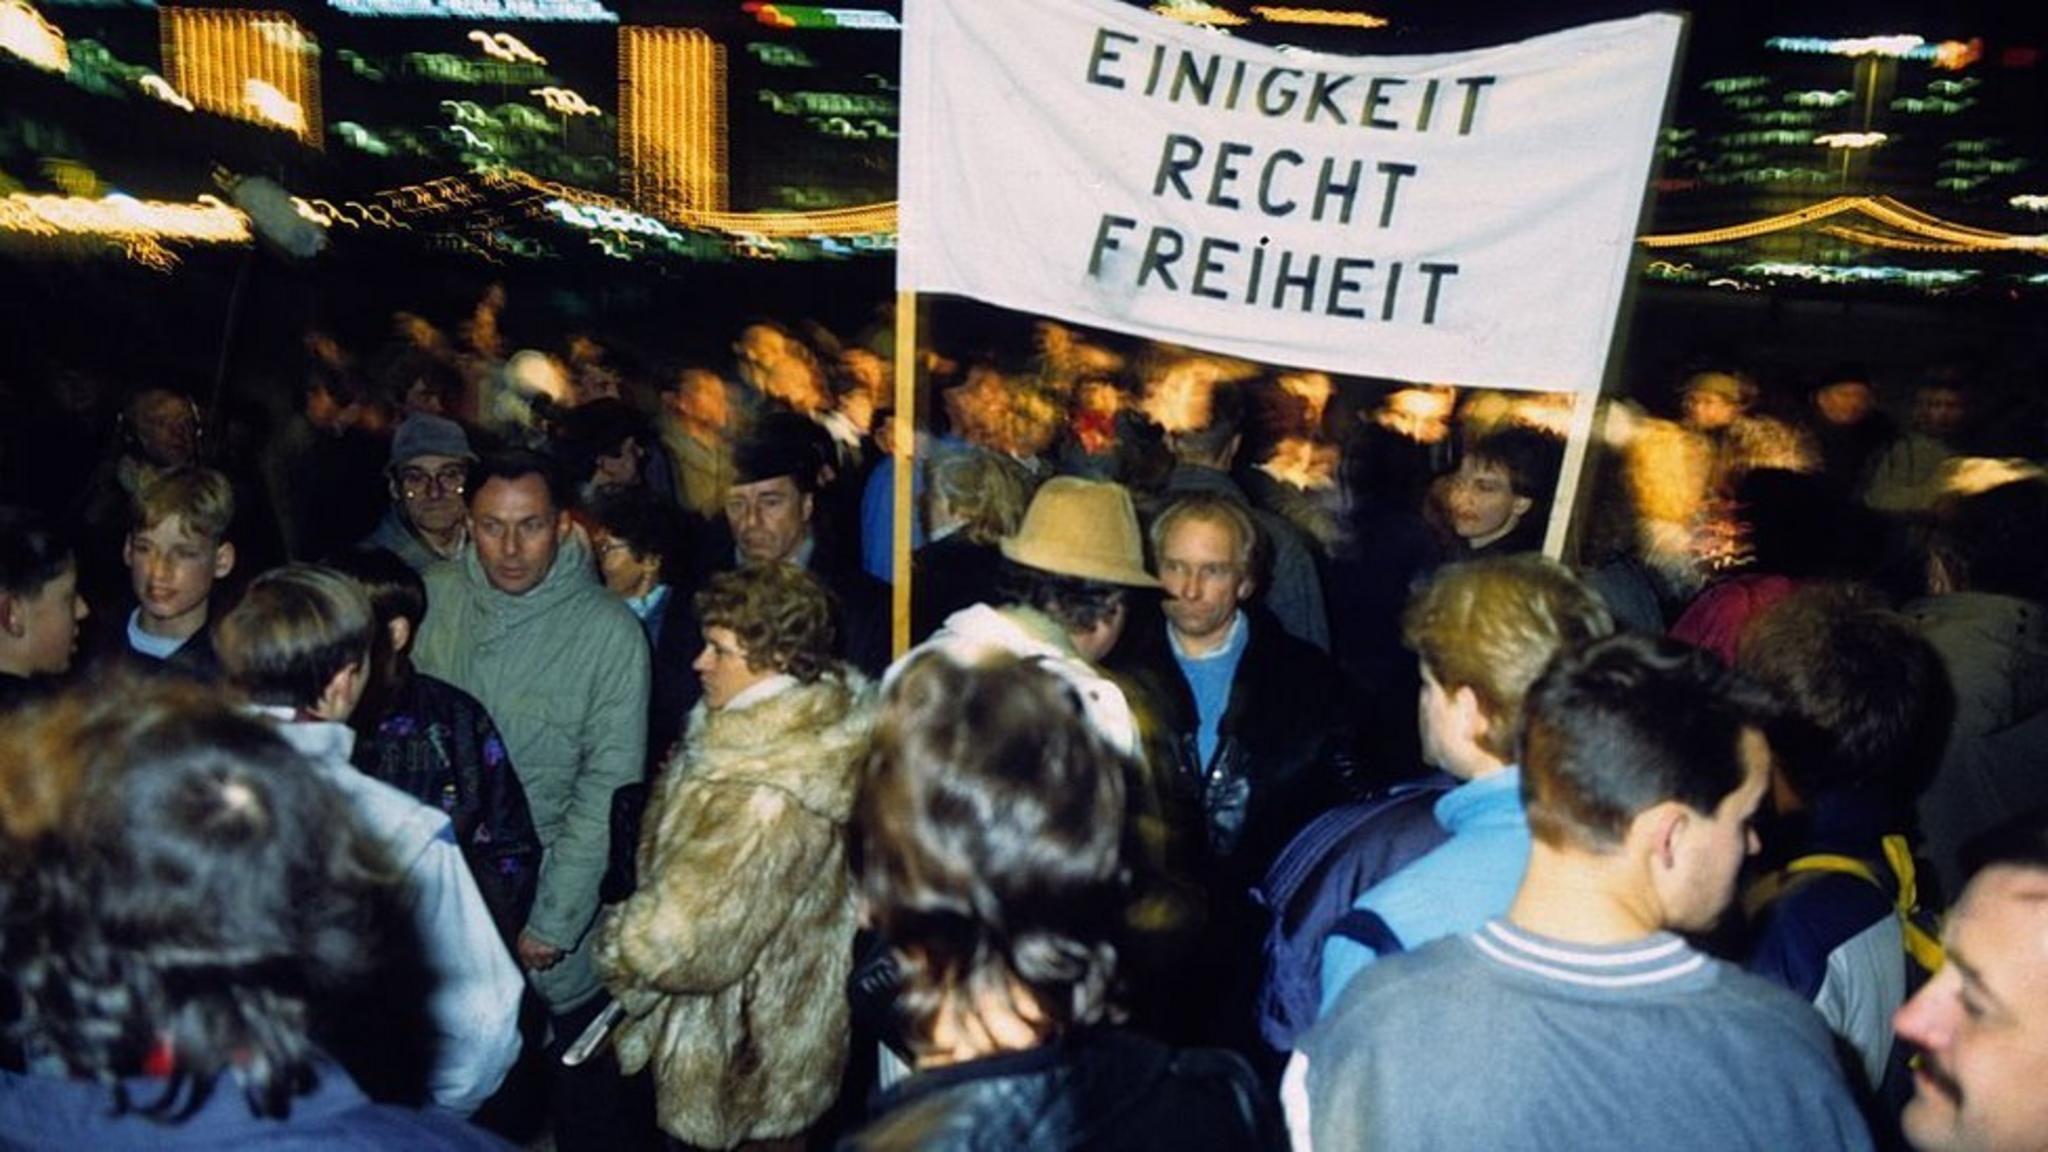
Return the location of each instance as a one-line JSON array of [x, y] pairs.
[[1882, 209], [143, 228]]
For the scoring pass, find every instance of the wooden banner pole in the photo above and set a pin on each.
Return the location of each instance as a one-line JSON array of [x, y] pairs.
[[905, 470]]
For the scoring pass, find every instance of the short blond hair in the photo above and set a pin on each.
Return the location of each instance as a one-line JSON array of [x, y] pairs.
[[202, 497], [1211, 508], [1493, 624], [294, 629]]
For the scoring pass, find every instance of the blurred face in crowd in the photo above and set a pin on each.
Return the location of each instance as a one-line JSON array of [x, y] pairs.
[[45, 625], [1421, 414], [517, 530], [621, 467], [166, 428], [1202, 572], [171, 570], [1939, 411], [769, 518], [779, 367], [422, 396], [1482, 502], [698, 401], [429, 490], [326, 411], [724, 669], [1707, 858], [1709, 408], [1845, 402], [1981, 1023], [976, 408], [626, 572], [868, 370]]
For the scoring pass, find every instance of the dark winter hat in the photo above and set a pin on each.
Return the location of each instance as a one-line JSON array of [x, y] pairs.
[[782, 444]]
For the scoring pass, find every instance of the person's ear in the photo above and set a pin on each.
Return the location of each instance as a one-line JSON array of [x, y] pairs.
[[1659, 832], [807, 507], [223, 560], [343, 689], [563, 523], [1522, 505], [13, 620], [1471, 713]]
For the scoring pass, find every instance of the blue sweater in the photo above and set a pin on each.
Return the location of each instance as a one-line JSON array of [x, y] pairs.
[[1209, 678], [1456, 888]]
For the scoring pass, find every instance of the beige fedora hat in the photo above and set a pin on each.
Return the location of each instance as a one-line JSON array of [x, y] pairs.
[[1082, 528]]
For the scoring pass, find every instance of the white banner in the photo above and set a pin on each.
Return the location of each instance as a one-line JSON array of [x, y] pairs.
[[1463, 218]]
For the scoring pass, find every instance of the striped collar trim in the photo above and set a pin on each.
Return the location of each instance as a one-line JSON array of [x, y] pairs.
[[1656, 959]]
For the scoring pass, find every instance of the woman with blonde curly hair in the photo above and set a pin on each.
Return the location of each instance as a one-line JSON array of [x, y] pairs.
[[730, 961]]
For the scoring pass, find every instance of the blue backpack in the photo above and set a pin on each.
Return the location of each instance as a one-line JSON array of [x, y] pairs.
[[1309, 890]]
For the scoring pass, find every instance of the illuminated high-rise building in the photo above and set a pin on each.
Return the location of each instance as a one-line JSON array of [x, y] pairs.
[[259, 66], [672, 121]]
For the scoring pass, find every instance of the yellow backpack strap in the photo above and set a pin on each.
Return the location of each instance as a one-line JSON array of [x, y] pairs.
[[1832, 862], [1920, 944], [1925, 949]]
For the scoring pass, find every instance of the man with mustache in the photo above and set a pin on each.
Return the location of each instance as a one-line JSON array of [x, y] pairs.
[[1981, 1024]]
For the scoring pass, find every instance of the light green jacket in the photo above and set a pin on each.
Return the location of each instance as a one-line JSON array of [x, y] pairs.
[[563, 671]]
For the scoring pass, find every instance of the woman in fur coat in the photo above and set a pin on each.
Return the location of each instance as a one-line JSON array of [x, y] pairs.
[[730, 961]]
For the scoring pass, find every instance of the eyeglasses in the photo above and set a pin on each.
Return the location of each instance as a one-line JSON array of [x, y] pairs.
[[417, 481]]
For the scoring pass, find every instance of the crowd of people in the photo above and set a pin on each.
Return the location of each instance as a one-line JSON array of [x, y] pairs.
[[511, 744]]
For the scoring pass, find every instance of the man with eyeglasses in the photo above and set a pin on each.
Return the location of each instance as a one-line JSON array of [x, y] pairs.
[[426, 523]]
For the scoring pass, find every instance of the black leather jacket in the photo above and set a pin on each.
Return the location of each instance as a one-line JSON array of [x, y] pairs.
[[1285, 749], [1100, 1089]]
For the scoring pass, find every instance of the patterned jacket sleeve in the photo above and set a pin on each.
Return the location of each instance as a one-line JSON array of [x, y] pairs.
[[493, 822]]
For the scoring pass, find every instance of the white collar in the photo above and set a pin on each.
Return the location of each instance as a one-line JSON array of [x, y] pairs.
[[760, 690]]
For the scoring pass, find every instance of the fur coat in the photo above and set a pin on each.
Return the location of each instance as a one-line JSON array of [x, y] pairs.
[[731, 959]]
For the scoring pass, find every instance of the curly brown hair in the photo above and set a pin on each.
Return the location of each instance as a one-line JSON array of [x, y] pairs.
[[780, 613]]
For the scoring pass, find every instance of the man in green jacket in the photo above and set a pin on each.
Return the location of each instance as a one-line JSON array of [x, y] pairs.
[[523, 624]]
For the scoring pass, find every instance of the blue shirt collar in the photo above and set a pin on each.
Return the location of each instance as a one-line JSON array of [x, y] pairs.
[[1489, 800], [1231, 648], [648, 605]]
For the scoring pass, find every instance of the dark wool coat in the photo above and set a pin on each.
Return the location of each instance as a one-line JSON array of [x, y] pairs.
[[731, 958]]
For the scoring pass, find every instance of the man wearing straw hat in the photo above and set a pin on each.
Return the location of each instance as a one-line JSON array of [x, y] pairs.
[[1061, 601], [1061, 596]]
